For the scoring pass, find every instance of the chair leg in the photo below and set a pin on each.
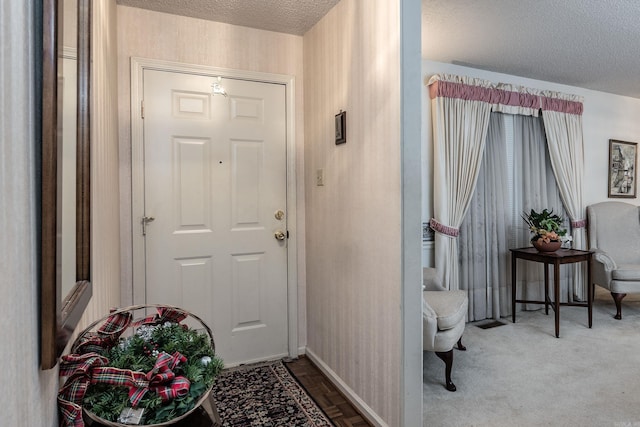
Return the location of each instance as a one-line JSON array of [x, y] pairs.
[[460, 346], [617, 298], [447, 358]]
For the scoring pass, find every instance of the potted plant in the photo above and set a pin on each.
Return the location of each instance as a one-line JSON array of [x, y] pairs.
[[546, 229]]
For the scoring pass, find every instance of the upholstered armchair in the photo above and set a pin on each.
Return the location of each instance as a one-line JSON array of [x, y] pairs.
[[614, 237], [443, 320]]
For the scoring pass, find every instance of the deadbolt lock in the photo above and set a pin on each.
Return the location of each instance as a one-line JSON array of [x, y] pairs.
[[279, 215]]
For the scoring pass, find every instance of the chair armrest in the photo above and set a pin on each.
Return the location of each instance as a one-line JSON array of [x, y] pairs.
[[602, 267], [602, 257], [429, 326]]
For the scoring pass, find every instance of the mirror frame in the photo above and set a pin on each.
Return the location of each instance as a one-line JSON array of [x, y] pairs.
[[60, 314]]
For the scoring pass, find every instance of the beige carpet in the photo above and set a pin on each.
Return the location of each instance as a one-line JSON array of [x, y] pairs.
[[521, 375]]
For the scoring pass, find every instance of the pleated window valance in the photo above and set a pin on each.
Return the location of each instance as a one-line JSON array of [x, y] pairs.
[[504, 97]]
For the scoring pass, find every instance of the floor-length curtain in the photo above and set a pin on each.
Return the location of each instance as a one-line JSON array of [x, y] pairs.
[[461, 107], [459, 133], [535, 188], [483, 240], [564, 136]]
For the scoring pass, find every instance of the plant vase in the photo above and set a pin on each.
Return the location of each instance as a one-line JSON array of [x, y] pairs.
[[546, 247]]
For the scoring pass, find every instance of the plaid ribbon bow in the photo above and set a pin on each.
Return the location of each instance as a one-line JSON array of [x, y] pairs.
[[165, 314], [86, 367], [91, 368], [161, 379], [78, 368], [107, 336]]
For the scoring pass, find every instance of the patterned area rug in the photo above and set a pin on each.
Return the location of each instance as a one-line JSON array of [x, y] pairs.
[[265, 394]]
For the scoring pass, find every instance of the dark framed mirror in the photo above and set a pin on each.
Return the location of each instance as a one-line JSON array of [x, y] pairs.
[[65, 172]]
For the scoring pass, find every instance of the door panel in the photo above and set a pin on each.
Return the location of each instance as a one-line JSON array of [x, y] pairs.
[[215, 174]]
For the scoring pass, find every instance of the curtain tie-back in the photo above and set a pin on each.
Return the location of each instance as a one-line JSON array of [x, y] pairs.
[[581, 223], [444, 229]]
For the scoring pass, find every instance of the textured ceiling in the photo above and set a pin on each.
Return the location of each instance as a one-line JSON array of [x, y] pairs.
[[594, 44], [284, 16]]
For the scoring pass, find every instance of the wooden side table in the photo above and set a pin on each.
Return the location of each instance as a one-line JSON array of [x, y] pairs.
[[561, 256]]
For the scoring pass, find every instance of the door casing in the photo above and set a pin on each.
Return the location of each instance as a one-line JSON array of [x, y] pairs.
[[138, 65]]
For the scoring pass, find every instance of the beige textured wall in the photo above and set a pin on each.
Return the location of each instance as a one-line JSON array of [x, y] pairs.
[[70, 24], [354, 283], [29, 393], [154, 35]]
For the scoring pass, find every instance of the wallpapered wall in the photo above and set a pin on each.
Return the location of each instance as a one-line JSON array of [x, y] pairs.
[[352, 56], [196, 41], [105, 216], [31, 392], [354, 284]]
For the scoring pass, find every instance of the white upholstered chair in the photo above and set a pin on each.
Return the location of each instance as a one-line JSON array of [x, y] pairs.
[[614, 237], [443, 320]]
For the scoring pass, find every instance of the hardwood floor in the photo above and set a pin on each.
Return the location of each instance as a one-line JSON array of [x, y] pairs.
[[341, 412]]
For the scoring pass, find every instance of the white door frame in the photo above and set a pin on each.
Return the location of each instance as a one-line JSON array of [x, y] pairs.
[[138, 65]]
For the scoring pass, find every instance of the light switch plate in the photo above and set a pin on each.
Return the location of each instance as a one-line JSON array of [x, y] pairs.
[[320, 177]]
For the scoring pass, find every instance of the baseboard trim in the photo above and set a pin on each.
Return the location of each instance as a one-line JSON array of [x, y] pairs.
[[355, 400]]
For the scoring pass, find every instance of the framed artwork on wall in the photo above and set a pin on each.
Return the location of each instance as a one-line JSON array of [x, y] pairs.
[[623, 157], [341, 127]]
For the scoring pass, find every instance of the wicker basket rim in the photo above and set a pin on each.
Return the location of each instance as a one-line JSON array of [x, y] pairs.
[[96, 418], [140, 307]]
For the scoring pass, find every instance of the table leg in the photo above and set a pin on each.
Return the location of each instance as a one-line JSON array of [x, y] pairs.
[[513, 288], [556, 291], [546, 289], [590, 290]]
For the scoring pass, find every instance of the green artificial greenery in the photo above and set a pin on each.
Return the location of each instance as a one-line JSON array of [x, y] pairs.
[[138, 353], [545, 225]]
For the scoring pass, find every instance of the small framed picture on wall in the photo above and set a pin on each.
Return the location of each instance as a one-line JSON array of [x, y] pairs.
[[623, 157], [341, 127]]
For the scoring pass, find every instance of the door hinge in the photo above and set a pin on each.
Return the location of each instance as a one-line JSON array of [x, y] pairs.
[[142, 109]]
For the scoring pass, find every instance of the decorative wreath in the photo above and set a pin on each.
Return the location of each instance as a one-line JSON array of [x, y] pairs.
[[152, 371]]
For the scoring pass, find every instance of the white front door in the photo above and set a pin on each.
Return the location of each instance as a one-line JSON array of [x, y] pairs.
[[215, 186]]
